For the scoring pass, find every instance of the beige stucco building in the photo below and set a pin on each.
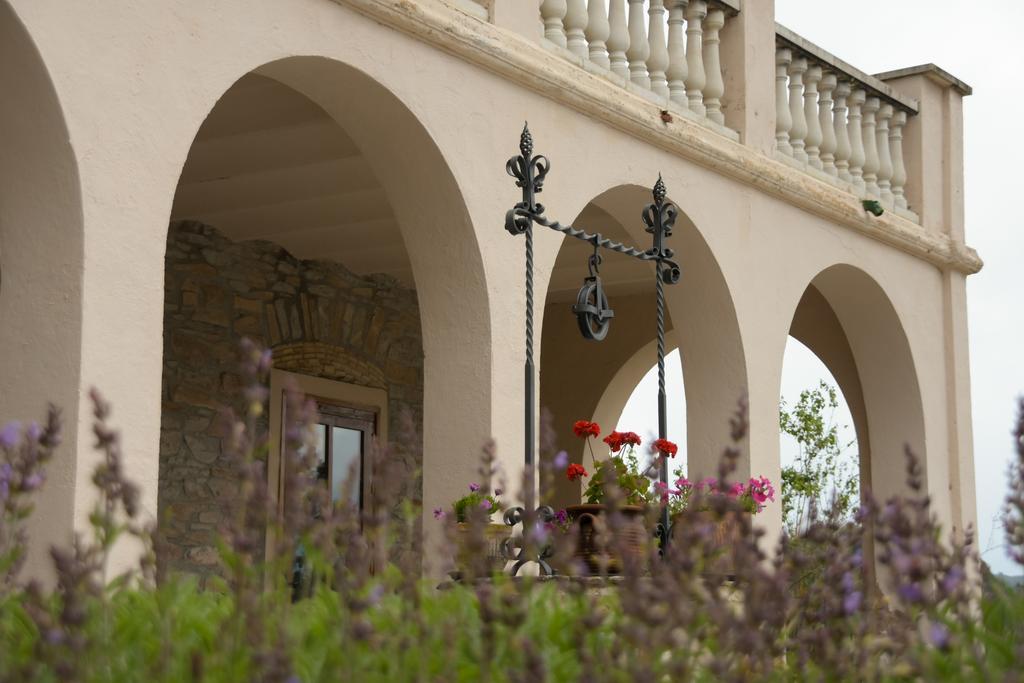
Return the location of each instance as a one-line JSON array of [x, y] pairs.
[[368, 138]]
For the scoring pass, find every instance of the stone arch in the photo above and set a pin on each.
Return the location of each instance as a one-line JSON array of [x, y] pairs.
[[701, 314], [437, 372], [848, 321], [41, 261]]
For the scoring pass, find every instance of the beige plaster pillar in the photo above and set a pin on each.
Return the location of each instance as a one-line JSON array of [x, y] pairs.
[[963, 502], [748, 63], [521, 16], [933, 146]]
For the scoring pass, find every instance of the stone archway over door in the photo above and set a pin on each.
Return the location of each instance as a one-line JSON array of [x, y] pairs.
[[397, 166]]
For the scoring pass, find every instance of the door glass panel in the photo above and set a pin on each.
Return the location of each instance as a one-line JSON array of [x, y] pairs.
[[346, 465], [320, 432]]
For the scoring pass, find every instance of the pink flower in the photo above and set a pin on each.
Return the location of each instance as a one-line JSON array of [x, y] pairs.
[[707, 482], [737, 490], [439, 513], [761, 490], [474, 487], [486, 504]]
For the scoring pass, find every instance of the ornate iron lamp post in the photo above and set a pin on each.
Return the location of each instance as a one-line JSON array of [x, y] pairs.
[[592, 309]]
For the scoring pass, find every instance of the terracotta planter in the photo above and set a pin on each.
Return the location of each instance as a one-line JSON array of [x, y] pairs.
[[726, 532], [594, 546], [494, 536]]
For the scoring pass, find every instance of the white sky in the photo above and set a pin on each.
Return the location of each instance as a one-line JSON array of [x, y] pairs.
[[977, 42]]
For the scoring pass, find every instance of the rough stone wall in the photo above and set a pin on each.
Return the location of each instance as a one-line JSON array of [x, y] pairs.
[[319, 319]]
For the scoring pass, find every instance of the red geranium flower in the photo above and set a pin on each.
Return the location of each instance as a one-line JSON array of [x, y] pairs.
[[665, 446], [584, 429], [616, 440], [575, 472]]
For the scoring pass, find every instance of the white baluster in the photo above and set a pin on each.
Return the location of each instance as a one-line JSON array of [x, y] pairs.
[[798, 129], [828, 129], [884, 157], [553, 12], [676, 72], [618, 38], [812, 140], [715, 86], [856, 139], [899, 170], [871, 106], [575, 23], [639, 50], [597, 33], [657, 62], [783, 119], [695, 78], [842, 135]]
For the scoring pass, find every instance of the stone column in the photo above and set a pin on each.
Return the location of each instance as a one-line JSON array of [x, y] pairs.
[[749, 101], [933, 146], [521, 17]]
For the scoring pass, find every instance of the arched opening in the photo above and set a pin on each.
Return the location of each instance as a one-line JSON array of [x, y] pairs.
[[315, 215], [845, 319], [586, 380], [818, 446], [41, 247]]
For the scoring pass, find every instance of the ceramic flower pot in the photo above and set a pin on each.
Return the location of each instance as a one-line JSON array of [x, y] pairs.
[[595, 546], [493, 537]]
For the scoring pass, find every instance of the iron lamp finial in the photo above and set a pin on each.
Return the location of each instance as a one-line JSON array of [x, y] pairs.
[[659, 190], [526, 142]]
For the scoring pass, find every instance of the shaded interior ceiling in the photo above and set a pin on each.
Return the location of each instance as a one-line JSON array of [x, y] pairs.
[[620, 275], [270, 164]]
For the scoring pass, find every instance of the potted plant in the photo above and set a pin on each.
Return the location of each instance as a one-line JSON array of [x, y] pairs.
[[622, 474], [695, 503], [476, 510]]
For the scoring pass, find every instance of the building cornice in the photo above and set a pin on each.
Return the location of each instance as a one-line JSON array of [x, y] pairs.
[[513, 57]]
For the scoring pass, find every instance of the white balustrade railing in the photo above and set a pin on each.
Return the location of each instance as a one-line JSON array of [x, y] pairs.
[[840, 124], [832, 120], [670, 48]]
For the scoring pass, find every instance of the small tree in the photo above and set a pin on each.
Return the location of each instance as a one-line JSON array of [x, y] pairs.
[[825, 474]]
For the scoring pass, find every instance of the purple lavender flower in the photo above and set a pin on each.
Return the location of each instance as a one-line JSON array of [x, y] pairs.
[[474, 487], [33, 481], [5, 481], [486, 504], [852, 597], [34, 431], [439, 513], [498, 492], [953, 579], [10, 434], [939, 635], [561, 460], [266, 360], [911, 592]]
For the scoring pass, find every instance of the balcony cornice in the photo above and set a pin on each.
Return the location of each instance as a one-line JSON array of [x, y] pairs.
[[512, 56]]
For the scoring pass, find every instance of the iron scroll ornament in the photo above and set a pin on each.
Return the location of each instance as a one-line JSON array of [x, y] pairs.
[[522, 555], [592, 309]]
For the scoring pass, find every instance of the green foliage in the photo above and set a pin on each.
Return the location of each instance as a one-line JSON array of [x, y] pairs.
[[475, 501], [623, 472], [810, 615], [824, 477]]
